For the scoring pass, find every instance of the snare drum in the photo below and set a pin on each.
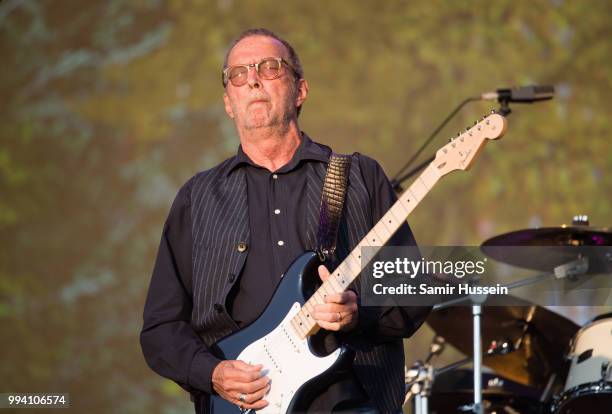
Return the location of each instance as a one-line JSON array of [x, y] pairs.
[[588, 388]]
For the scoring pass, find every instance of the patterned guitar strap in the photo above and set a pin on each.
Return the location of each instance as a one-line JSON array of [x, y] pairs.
[[332, 202]]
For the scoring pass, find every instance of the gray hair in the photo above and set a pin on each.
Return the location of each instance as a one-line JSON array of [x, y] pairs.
[[294, 59]]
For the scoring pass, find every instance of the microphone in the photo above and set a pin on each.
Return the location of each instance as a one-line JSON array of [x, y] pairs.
[[521, 94]]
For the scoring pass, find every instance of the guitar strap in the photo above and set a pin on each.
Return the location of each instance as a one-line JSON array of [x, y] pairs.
[[332, 202]]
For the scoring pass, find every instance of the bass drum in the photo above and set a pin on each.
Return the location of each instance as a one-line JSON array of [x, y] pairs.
[[588, 388], [453, 391]]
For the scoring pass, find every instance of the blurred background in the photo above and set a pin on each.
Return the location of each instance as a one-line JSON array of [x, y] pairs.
[[109, 106]]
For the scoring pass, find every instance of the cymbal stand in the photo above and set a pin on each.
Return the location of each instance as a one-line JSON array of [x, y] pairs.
[[567, 270]]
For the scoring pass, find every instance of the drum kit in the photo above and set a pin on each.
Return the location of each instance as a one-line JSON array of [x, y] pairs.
[[541, 362]]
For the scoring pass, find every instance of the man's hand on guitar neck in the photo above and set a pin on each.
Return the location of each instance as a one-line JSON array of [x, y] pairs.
[[339, 313], [241, 384]]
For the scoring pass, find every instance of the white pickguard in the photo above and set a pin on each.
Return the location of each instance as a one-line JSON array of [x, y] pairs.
[[287, 361]]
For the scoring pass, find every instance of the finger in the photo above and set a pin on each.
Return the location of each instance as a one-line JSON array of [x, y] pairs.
[[334, 308], [241, 377], [323, 273], [253, 397], [243, 372], [326, 316], [330, 326], [259, 404], [255, 386], [246, 387], [246, 367]]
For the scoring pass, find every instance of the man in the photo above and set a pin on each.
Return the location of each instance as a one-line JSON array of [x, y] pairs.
[[234, 229]]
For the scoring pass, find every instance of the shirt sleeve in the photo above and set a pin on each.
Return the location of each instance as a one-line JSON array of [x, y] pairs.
[[169, 344], [386, 322]]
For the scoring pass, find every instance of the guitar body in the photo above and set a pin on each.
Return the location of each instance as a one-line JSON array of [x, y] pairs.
[[294, 367]]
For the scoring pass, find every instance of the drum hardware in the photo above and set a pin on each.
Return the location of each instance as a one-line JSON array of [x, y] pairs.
[[545, 396], [573, 269], [527, 343], [452, 393], [419, 378], [501, 346], [606, 369]]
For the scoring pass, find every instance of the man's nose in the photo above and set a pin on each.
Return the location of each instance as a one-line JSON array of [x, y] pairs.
[[253, 78]]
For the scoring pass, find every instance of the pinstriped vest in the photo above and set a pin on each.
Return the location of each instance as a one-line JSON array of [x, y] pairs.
[[220, 223]]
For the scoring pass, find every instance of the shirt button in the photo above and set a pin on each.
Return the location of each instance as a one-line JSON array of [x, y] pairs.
[[281, 243], [232, 276], [277, 211], [275, 176], [218, 307], [242, 246]]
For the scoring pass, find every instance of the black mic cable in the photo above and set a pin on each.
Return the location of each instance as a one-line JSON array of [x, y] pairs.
[[522, 94], [397, 180]]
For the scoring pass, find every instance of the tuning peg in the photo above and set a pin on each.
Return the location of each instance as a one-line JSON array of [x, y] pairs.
[[493, 111]]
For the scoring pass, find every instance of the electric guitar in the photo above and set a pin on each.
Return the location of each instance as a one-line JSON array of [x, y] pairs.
[[279, 338]]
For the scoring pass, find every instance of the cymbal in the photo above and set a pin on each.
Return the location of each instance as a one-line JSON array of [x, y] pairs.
[[541, 338], [550, 247]]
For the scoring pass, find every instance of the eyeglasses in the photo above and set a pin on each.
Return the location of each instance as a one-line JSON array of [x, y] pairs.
[[268, 68]]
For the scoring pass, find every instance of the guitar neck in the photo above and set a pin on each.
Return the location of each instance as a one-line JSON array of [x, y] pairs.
[[380, 234]]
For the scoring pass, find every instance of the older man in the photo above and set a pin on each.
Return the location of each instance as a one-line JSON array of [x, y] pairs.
[[232, 231]]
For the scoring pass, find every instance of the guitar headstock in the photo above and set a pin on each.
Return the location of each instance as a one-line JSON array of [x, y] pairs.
[[461, 151]]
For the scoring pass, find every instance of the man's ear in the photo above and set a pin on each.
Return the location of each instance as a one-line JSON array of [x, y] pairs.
[[302, 92], [228, 106]]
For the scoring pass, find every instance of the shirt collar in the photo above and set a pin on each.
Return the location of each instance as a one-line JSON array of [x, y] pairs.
[[307, 150]]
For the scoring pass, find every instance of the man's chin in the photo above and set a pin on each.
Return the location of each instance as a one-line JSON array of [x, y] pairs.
[[259, 122]]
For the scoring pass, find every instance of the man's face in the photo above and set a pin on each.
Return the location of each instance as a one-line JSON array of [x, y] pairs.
[[262, 103]]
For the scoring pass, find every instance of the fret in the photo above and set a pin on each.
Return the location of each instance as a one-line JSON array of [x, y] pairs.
[[326, 291], [372, 238], [398, 211], [406, 202], [334, 283], [299, 326], [353, 265], [343, 281], [315, 299], [298, 329], [419, 189], [344, 267], [389, 222], [430, 177], [301, 321], [383, 232], [356, 255]]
